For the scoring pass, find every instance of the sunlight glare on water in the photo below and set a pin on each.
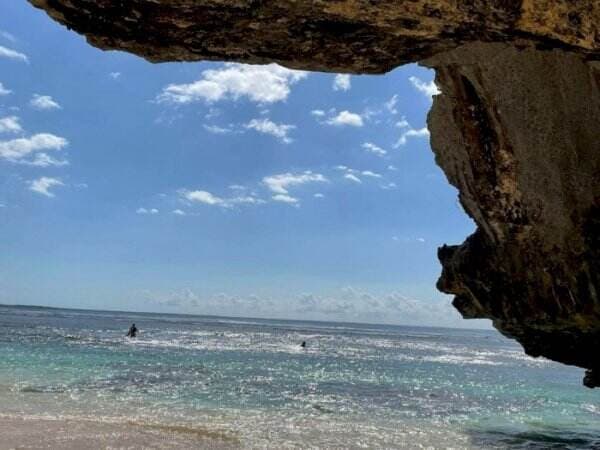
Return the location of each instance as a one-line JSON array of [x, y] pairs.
[[354, 385]]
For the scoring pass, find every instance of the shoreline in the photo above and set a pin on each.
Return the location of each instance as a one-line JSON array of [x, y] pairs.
[[73, 433]]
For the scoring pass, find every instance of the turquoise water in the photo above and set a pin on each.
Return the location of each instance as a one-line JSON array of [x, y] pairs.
[[353, 386]]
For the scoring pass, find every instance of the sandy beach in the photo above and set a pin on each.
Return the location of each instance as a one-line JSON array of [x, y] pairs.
[[28, 432]]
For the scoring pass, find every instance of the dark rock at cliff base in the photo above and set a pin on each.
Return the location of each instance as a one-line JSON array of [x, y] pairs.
[[516, 127]]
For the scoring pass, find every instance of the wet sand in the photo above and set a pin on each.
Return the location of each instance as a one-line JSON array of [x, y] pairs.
[[75, 434]]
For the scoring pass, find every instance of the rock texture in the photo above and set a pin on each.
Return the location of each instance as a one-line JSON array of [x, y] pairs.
[[516, 128], [363, 36], [517, 131]]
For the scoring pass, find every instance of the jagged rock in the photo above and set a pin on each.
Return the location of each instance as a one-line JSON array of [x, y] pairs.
[[516, 128], [362, 36], [517, 131]]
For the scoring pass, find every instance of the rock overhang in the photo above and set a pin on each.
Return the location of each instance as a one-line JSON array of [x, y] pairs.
[[359, 36]]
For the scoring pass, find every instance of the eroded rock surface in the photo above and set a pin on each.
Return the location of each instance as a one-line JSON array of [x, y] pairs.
[[517, 131], [362, 36], [516, 128]]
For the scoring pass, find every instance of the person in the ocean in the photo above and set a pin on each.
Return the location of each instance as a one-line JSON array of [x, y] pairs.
[[132, 331], [303, 345]]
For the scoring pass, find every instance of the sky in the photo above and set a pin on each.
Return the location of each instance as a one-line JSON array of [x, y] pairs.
[[216, 188]]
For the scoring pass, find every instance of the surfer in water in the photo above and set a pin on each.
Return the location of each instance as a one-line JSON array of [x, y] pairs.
[[132, 331], [303, 345]]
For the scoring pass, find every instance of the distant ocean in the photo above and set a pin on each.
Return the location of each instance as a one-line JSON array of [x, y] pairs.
[[354, 386]]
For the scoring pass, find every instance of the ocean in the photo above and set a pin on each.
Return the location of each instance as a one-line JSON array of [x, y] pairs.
[[247, 382]]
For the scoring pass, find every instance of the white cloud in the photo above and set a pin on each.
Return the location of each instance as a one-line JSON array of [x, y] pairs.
[[178, 212], [390, 105], [388, 186], [150, 211], [368, 173], [43, 159], [420, 133], [375, 149], [352, 177], [215, 129], [182, 298], [314, 112], [279, 184], [369, 113], [3, 90], [318, 195], [346, 118], [43, 103], [16, 150], [285, 199], [390, 167], [221, 304], [266, 126], [212, 113], [208, 198], [12, 54], [427, 88], [262, 84], [403, 123], [10, 124], [248, 199], [202, 197], [409, 239], [44, 184], [351, 304], [8, 36], [341, 82], [347, 304], [115, 75]]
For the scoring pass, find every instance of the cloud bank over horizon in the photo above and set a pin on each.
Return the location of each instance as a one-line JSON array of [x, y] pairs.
[[346, 304]]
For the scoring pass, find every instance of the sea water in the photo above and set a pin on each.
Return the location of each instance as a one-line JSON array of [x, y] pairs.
[[353, 386]]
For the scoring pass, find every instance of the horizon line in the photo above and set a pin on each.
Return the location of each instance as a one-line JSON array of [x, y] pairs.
[[17, 305]]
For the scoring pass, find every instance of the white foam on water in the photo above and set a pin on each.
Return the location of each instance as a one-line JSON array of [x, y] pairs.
[[594, 409]]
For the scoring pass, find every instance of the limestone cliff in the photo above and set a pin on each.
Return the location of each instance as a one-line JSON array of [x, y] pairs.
[[517, 131], [516, 128], [362, 36]]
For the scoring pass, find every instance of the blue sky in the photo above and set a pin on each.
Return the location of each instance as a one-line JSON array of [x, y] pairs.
[[215, 188]]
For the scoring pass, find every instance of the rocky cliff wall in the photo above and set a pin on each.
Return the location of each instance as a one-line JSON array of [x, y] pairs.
[[517, 131], [362, 36], [516, 128]]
